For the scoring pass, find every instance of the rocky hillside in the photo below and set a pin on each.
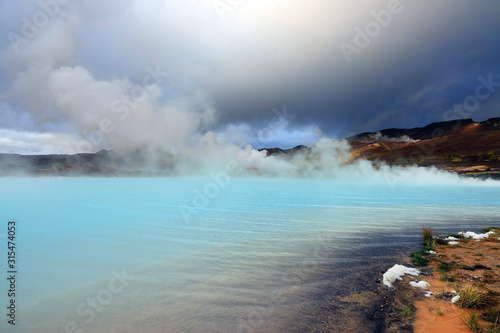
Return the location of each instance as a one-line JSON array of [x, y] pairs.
[[463, 146]]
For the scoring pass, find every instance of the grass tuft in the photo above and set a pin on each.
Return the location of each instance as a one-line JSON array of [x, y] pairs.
[[407, 311], [472, 298], [492, 315], [492, 329], [472, 321], [444, 287], [428, 236], [439, 311]]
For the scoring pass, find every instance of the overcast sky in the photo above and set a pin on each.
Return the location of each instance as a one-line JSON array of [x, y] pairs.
[[85, 75]]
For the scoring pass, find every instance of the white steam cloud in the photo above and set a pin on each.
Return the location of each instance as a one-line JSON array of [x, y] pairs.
[[99, 69], [150, 76], [379, 137]]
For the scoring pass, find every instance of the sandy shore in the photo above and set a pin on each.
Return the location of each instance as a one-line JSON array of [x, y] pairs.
[[362, 303], [467, 269]]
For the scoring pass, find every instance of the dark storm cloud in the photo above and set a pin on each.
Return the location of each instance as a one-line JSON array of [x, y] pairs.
[[169, 72], [426, 60]]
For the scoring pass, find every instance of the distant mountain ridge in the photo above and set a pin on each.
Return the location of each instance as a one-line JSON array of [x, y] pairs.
[[435, 130], [462, 146]]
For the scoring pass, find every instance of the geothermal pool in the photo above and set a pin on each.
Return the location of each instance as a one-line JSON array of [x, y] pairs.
[[209, 255]]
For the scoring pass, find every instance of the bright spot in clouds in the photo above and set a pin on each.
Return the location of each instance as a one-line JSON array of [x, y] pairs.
[[81, 71]]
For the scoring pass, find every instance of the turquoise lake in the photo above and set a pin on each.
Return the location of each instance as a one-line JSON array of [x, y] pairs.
[[205, 255]]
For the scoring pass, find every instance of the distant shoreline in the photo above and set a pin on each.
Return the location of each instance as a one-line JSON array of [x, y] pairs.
[[461, 146]]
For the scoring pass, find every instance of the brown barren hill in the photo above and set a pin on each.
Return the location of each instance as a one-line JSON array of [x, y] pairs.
[[469, 149]]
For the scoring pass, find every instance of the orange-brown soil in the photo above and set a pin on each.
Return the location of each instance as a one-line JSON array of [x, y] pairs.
[[427, 320], [472, 262]]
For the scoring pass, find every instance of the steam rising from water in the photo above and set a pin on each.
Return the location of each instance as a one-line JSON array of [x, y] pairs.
[[212, 155], [171, 126], [329, 158], [175, 132]]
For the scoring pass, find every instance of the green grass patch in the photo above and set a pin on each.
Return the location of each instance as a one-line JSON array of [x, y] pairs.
[[419, 258], [491, 315], [439, 311], [472, 321], [492, 328], [494, 229], [407, 311], [446, 266], [441, 241]]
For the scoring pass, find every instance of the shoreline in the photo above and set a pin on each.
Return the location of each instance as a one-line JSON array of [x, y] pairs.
[[461, 269], [365, 304]]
